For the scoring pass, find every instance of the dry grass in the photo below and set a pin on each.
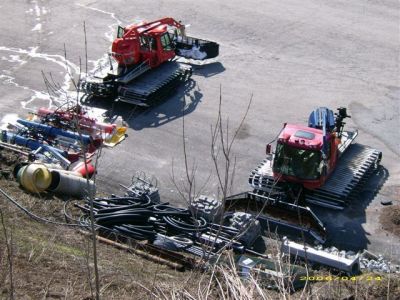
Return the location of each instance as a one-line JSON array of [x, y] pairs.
[[50, 262]]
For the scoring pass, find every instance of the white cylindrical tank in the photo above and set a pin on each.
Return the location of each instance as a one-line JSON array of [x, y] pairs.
[[68, 183]]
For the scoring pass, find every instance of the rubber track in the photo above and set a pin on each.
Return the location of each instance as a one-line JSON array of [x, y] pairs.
[[144, 90], [155, 85], [355, 167]]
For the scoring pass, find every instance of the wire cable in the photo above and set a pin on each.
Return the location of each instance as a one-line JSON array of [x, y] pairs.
[[34, 216]]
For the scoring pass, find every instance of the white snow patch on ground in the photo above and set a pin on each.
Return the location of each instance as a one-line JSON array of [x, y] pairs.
[[14, 59], [65, 91], [8, 119], [37, 8], [38, 27]]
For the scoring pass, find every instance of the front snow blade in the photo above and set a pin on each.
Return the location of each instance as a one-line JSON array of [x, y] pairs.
[[195, 48], [279, 217]]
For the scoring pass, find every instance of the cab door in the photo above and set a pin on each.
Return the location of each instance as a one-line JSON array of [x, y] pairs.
[[149, 50], [167, 50]]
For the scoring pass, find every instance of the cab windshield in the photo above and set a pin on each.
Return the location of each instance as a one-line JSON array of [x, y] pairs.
[[300, 163]]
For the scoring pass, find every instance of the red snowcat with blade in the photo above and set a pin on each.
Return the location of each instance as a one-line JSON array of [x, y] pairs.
[[143, 69]]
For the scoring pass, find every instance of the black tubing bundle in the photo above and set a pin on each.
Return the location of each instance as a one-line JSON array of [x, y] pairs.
[[139, 218], [187, 224]]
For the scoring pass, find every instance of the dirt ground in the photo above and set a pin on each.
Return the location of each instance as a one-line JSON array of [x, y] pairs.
[[51, 262], [390, 219]]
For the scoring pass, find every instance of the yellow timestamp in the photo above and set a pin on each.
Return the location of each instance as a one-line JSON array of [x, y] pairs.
[[340, 278]]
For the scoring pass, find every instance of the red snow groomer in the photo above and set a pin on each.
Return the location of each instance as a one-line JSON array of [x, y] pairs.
[[316, 164], [144, 70]]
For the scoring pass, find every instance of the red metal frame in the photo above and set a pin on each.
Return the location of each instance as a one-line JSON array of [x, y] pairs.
[[128, 50]]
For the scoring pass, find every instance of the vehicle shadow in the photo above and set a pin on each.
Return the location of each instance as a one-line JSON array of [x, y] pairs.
[[170, 110], [184, 101], [345, 228], [208, 70]]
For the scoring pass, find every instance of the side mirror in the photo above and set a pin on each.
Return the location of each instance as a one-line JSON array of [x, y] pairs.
[[268, 149]]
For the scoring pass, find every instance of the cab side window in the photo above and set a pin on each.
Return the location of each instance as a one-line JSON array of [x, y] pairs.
[[120, 32], [166, 42]]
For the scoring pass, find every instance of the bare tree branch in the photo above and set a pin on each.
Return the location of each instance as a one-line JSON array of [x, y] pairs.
[[9, 253]]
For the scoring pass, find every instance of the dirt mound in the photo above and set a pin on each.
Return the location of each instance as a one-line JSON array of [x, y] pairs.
[[390, 219]]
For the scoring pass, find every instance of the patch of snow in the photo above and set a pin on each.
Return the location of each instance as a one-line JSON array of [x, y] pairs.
[[37, 27]]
